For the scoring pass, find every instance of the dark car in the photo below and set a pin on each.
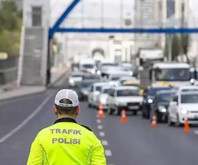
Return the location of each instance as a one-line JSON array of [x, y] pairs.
[[149, 96], [161, 103], [85, 88]]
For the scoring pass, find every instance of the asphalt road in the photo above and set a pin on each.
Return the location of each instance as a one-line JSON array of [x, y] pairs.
[[131, 143]]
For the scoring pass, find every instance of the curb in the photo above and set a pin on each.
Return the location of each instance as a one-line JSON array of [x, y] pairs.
[[37, 92]]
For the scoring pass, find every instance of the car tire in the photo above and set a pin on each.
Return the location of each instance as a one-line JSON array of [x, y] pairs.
[[109, 111], [135, 113], [178, 122], [89, 105], [170, 123], [118, 111], [159, 117]]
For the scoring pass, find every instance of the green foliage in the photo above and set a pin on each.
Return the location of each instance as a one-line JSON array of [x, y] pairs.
[[10, 27], [176, 47]]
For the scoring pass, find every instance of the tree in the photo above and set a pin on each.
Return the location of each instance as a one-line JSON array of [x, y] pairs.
[[176, 47], [10, 28], [185, 45]]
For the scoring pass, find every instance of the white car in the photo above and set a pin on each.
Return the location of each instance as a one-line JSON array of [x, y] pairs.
[[123, 97], [183, 106], [75, 79], [102, 97], [94, 92]]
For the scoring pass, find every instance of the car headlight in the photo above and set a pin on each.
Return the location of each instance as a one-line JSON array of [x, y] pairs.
[[131, 73], [71, 81], [103, 100], [150, 101], [162, 109], [98, 72], [184, 111]]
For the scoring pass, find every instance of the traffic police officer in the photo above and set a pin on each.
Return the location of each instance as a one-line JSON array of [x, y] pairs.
[[66, 142]]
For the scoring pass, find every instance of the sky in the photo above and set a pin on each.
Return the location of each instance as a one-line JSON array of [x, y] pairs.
[[92, 12]]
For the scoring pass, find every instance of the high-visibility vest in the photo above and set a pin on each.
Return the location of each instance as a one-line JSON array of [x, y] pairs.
[[66, 143]]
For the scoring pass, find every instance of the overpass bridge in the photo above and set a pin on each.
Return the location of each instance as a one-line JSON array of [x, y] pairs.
[[43, 19]]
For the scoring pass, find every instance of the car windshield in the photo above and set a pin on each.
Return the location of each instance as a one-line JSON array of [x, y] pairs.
[[165, 97], [176, 74], [86, 84], [105, 91], [127, 92], [153, 91], [77, 75], [89, 66], [98, 88], [189, 98], [115, 78]]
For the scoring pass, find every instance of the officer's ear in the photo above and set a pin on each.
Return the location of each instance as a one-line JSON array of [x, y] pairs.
[[55, 110], [78, 110]]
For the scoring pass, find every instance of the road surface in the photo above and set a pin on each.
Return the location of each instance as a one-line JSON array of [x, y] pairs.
[[132, 143]]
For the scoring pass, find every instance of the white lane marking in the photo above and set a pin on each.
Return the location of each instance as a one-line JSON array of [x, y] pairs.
[[105, 142], [100, 127], [102, 134], [108, 153], [12, 132], [196, 132], [98, 121]]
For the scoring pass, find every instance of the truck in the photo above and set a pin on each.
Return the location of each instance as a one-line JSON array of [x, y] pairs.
[[88, 66], [149, 54], [169, 73]]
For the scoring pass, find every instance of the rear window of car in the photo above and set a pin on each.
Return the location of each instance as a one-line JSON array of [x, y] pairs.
[[98, 88], [127, 92], [189, 98], [105, 91]]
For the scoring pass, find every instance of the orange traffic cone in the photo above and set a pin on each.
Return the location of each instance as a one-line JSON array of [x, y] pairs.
[[100, 112], [154, 122], [186, 126], [123, 117]]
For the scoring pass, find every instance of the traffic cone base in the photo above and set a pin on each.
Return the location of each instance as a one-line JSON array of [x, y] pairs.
[[123, 117], [186, 126], [100, 112], [154, 122]]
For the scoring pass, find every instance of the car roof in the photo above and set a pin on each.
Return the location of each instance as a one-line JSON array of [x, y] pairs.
[[100, 83], [189, 92], [126, 87], [165, 91], [170, 65]]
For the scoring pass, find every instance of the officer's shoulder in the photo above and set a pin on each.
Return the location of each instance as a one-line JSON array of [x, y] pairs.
[[87, 128]]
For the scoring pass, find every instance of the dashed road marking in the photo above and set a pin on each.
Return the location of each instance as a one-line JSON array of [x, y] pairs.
[[108, 153], [102, 134], [98, 121], [196, 132], [12, 132], [105, 142], [100, 127]]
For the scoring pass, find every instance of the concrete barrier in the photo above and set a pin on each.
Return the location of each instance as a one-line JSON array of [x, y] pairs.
[[8, 70]]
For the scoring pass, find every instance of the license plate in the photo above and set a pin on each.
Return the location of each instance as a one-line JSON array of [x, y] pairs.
[[133, 107]]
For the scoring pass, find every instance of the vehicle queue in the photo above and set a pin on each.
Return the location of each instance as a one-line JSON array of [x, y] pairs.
[[168, 94]]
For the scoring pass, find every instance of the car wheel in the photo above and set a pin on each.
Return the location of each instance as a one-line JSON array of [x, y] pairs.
[[134, 112], [178, 122], [159, 117], [89, 105], [109, 111], [170, 123], [118, 111]]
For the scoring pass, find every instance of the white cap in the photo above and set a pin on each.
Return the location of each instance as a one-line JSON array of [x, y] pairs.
[[67, 94]]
